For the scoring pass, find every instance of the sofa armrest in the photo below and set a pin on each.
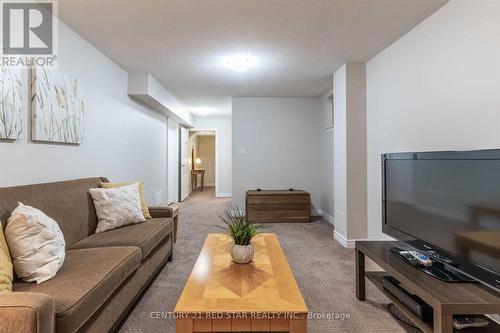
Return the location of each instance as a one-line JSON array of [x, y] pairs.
[[161, 211], [26, 312]]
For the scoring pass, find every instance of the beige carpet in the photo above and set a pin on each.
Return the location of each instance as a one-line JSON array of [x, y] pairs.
[[324, 271]]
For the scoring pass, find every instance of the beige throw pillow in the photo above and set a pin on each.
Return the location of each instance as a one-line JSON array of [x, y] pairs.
[[36, 244], [117, 207], [6, 273], [144, 205]]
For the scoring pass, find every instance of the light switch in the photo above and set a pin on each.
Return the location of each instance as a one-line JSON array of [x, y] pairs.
[[242, 151]]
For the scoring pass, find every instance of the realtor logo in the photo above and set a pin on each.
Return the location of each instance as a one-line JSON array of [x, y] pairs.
[[28, 29]]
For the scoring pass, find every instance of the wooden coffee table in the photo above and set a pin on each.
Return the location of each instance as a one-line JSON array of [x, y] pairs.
[[221, 296]]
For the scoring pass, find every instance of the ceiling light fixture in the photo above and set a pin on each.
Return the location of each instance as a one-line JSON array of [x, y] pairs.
[[240, 62]]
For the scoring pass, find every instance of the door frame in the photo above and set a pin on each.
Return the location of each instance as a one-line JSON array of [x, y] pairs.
[[175, 146], [180, 183], [194, 129]]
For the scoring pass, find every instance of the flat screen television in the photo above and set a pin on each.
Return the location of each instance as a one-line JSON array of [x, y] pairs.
[[446, 204]]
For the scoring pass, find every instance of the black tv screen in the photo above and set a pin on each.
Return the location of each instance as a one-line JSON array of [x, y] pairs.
[[448, 202]]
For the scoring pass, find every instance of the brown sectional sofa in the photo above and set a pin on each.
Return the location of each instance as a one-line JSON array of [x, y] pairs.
[[103, 274]]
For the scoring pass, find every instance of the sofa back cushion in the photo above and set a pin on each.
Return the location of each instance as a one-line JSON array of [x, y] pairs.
[[67, 202]]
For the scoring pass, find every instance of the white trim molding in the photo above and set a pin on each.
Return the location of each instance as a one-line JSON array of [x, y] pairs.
[[224, 195], [319, 212], [238, 212], [342, 240], [328, 218], [347, 243], [316, 212]]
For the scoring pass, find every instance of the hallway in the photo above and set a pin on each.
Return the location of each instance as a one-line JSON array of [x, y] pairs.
[[306, 245]]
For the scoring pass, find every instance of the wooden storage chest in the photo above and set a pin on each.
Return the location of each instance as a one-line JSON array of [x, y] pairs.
[[278, 206]]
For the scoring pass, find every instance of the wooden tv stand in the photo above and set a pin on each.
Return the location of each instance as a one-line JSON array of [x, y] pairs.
[[446, 299]]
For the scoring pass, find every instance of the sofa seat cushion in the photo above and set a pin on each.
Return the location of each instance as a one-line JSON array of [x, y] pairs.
[[146, 236], [86, 280]]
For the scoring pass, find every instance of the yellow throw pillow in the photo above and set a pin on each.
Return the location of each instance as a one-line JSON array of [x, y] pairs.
[[6, 272], [144, 205]]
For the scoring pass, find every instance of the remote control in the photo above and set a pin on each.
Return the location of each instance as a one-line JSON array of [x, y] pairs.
[[424, 260], [461, 322], [415, 258], [439, 257], [409, 257]]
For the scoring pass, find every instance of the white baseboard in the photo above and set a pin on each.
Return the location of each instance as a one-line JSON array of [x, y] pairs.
[[223, 195], [342, 240], [319, 212], [238, 212], [316, 212], [328, 218], [347, 243]]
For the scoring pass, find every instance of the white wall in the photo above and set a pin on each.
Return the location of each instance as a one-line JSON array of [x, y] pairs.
[[222, 126], [340, 151], [282, 142], [327, 156], [123, 140], [349, 89], [436, 88]]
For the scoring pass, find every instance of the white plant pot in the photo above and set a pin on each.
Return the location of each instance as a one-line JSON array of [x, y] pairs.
[[242, 254]]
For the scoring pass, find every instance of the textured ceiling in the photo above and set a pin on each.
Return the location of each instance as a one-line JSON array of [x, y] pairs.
[[298, 43]]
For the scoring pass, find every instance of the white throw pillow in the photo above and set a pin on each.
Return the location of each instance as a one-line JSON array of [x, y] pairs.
[[36, 244], [116, 207]]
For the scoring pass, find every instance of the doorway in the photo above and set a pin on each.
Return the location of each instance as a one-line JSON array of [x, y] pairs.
[[203, 166]]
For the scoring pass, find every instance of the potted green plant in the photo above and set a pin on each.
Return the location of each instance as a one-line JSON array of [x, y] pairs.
[[241, 232]]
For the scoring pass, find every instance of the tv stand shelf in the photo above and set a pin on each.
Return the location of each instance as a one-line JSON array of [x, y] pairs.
[[446, 299]]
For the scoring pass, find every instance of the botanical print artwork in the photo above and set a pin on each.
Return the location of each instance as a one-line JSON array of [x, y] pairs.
[[57, 107], [11, 103]]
